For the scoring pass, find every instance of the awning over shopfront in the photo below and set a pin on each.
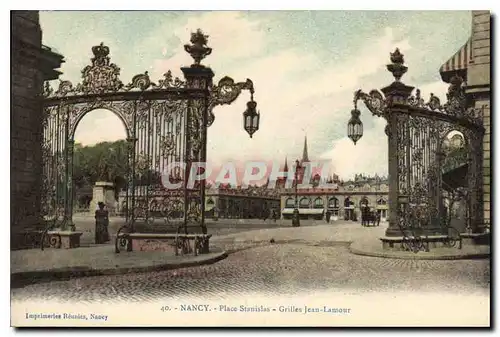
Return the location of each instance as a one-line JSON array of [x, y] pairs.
[[458, 63], [310, 211]]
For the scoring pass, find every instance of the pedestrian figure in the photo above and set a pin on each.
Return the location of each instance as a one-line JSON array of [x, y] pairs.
[[101, 224], [275, 215], [378, 218], [216, 213], [328, 216]]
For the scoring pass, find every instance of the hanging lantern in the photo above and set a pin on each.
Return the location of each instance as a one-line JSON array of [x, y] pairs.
[[251, 118], [355, 126]]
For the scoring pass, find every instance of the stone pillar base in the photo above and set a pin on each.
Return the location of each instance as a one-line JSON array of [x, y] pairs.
[[64, 239]]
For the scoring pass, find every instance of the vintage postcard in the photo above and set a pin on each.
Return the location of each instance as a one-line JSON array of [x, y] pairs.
[[250, 168]]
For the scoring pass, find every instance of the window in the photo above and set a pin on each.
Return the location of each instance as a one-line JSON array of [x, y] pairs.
[[304, 202], [333, 203], [318, 203], [381, 201], [290, 202]]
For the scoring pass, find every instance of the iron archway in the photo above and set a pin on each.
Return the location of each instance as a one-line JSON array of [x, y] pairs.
[[166, 122]]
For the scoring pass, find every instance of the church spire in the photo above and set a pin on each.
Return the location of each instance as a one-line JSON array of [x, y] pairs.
[[285, 169], [305, 156]]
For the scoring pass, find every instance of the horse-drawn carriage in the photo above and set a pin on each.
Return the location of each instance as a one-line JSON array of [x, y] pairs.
[[369, 217]]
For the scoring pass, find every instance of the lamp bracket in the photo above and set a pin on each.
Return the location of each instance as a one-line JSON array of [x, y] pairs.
[[374, 101]]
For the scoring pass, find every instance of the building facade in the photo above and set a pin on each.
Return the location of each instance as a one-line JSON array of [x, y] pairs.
[[31, 65], [344, 201], [237, 203], [472, 62]]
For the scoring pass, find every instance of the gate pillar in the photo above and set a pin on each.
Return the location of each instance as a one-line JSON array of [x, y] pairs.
[[197, 78], [396, 95]]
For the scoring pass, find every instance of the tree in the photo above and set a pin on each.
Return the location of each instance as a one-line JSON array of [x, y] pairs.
[[107, 161]]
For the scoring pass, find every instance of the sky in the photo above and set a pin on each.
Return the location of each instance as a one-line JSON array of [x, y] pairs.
[[305, 66]]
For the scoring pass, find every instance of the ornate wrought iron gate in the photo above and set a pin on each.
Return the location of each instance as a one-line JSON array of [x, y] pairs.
[[165, 122], [416, 131]]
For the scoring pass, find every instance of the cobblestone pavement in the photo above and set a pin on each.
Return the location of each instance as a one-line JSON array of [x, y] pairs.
[[279, 268]]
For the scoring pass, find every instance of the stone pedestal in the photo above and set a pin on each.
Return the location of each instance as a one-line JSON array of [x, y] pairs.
[[103, 192], [64, 239]]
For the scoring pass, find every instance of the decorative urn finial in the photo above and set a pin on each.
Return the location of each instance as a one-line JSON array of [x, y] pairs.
[[397, 67], [198, 49]]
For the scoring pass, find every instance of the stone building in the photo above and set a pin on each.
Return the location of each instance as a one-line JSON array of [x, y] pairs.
[[344, 201], [472, 62], [31, 65], [255, 202]]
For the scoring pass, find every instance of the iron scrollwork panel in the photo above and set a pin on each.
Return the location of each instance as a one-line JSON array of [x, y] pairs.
[[195, 147], [54, 162], [159, 149], [418, 173]]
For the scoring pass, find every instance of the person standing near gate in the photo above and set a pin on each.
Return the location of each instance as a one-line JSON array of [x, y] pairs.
[[101, 224]]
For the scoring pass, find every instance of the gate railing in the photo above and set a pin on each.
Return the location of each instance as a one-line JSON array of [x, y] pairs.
[[409, 226]]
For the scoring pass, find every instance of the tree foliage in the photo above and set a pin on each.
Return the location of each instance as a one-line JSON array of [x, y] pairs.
[[107, 161]]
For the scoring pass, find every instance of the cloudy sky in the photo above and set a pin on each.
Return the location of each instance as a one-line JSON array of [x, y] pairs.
[[305, 65]]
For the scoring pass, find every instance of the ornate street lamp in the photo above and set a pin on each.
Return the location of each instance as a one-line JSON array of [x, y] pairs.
[[355, 126], [226, 92], [251, 117], [415, 130], [295, 215]]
